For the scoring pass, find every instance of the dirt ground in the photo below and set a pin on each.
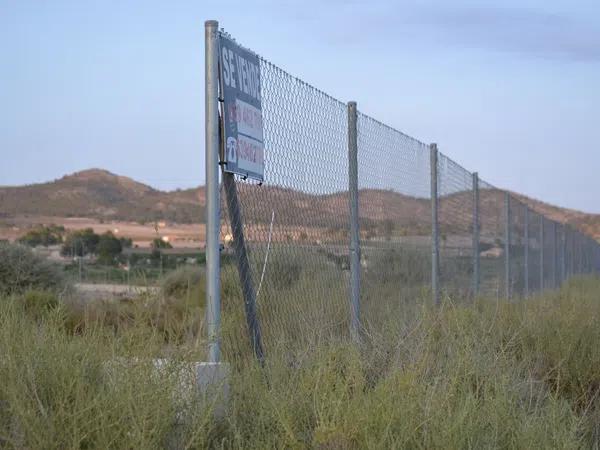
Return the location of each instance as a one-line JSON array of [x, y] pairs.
[[91, 292], [179, 235]]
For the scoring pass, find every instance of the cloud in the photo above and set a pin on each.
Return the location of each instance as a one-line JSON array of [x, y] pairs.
[[525, 31]]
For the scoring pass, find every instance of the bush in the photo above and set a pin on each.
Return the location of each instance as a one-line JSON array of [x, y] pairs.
[[21, 270], [80, 243], [38, 303], [283, 271], [184, 282], [190, 282], [409, 266], [43, 235], [158, 243], [108, 248], [488, 374]]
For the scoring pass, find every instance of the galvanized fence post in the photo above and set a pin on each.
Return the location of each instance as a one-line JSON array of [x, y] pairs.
[[581, 250], [578, 252], [563, 262], [526, 251], [213, 218], [579, 255], [558, 253], [476, 275], [587, 257], [354, 224], [570, 252], [554, 257], [582, 254], [435, 251], [542, 248], [507, 238], [234, 209], [583, 247]]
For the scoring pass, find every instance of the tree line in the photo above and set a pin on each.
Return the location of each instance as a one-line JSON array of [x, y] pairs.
[[78, 243]]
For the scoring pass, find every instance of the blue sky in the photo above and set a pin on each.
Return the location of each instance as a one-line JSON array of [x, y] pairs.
[[508, 88]]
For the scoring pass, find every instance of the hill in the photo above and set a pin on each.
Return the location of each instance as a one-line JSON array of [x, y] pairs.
[[585, 222], [102, 195]]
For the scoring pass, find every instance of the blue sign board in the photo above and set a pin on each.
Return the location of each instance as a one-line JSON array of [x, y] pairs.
[[242, 112]]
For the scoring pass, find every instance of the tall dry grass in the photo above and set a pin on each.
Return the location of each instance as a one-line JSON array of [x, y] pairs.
[[469, 374]]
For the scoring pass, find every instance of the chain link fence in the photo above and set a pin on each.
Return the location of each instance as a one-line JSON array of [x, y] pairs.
[[395, 221], [285, 242], [295, 235]]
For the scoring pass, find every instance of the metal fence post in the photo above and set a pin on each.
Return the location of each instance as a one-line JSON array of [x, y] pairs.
[[563, 261], [354, 225], [570, 251], [554, 257], [507, 238], [579, 255], [542, 245], [476, 275], [587, 257], [526, 250], [213, 265], [234, 209], [582, 251], [435, 251], [580, 248]]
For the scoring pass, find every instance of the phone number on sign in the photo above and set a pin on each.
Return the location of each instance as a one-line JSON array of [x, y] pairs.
[[250, 151], [248, 118]]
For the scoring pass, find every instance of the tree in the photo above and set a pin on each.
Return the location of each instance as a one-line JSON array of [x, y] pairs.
[[158, 244], [80, 243], [126, 242], [22, 270], [43, 235], [108, 248]]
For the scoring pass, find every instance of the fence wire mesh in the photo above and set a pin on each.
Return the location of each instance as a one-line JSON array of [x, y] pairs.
[[517, 247], [535, 252], [455, 224], [491, 239], [285, 269], [395, 220], [295, 234]]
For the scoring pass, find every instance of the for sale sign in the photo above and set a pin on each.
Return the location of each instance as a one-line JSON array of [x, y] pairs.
[[242, 112]]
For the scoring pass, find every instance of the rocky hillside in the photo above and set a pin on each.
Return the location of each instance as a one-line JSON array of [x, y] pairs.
[[102, 195]]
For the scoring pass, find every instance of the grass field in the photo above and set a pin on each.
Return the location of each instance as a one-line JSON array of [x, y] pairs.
[[485, 375]]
